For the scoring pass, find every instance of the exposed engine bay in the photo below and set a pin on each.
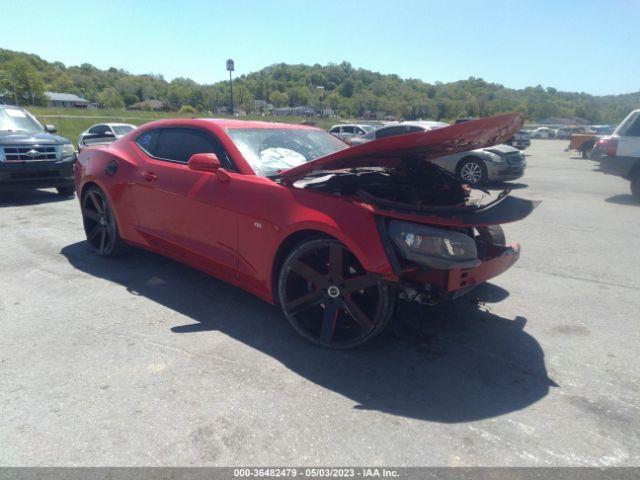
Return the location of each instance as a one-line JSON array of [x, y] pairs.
[[412, 185]]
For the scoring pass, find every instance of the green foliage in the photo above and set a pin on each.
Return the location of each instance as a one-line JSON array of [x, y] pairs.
[[110, 98], [185, 109], [21, 79], [350, 92]]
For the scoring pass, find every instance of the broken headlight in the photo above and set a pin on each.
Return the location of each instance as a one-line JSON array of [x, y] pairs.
[[434, 247]]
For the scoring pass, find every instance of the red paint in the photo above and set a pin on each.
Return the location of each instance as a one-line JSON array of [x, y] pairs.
[[231, 224]]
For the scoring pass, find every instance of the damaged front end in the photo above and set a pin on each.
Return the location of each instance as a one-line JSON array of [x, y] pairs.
[[441, 238]]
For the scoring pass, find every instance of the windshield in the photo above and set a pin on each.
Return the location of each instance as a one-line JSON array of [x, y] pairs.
[[123, 129], [17, 120], [368, 128], [271, 150]]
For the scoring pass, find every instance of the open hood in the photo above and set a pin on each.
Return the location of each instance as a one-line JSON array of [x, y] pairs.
[[427, 145]]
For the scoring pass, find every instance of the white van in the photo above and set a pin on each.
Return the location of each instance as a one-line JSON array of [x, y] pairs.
[[619, 154]]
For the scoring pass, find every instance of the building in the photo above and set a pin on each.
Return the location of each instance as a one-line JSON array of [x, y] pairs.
[[294, 111], [65, 100]]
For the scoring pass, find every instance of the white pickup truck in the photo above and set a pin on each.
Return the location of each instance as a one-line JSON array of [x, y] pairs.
[[619, 153]]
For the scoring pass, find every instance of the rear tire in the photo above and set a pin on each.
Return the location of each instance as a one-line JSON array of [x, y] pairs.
[[100, 224], [328, 297], [66, 191]]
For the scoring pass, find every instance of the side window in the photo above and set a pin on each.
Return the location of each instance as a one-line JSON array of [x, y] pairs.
[[179, 144], [414, 129], [99, 129], [359, 131], [634, 129], [148, 140], [391, 131], [335, 130], [348, 129]]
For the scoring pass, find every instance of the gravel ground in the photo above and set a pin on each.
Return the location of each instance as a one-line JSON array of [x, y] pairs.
[[142, 361]]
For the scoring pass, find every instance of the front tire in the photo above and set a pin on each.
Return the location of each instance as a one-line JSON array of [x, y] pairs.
[[66, 191], [472, 171], [100, 224], [328, 297], [635, 186]]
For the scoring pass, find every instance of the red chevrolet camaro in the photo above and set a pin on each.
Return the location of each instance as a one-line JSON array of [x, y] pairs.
[[333, 234]]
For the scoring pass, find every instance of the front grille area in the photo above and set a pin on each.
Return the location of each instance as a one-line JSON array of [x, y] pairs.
[[514, 160], [30, 153], [32, 175]]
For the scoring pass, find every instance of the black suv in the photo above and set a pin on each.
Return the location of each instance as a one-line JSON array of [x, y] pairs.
[[31, 156]]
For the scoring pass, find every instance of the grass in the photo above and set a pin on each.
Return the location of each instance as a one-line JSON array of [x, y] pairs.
[[71, 122]]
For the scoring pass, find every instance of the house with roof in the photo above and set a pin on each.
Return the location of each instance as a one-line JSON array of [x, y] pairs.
[[65, 100]]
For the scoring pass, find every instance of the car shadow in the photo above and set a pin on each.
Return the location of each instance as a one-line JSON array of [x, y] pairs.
[[506, 186], [468, 364], [623, 199], [30, 197]]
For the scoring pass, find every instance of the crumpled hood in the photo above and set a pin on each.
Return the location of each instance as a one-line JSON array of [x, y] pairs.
[[427, 145], [22, 138]]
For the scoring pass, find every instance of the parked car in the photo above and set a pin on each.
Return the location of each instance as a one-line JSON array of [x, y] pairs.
[[521, 140], [393, 129], [102, 133], [564, 133], [543, 132], [31, 156], [583, 143], [619, 154], [475, 167], [601, 129], [332, 234], [348, 131]]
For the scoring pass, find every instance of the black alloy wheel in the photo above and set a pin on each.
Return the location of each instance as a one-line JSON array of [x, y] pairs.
[[330, 299], [100, 224]]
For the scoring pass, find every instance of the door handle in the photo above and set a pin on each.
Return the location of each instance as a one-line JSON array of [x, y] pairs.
[[149, 176]]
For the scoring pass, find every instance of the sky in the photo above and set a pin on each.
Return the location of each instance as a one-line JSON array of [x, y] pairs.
[[587, 46]]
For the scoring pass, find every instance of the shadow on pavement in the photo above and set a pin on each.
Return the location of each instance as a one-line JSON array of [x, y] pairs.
[[506, 186], [30, 197], [623, 199], [471, 365]]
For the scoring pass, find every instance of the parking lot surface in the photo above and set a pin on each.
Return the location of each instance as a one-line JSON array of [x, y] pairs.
[[142, 361]]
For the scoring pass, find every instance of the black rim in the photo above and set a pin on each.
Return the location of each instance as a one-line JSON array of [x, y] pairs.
[[329, 297], [98, 221]]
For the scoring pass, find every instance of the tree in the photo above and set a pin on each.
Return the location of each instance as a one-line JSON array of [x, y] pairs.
[[184, 109], [279, 99], [21, 77], [110, 98]]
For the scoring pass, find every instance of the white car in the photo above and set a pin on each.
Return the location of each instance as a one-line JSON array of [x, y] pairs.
[[619, 154], [543, 132], [102, 133], [350, 130]]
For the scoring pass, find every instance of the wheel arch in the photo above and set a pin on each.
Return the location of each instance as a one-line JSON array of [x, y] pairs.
[[92, 182], [286, 246]]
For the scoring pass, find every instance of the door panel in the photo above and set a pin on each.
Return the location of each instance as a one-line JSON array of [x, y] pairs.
[[181, 213]]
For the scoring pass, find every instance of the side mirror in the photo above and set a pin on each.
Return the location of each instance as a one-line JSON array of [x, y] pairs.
[[207, 162], [50, 128]]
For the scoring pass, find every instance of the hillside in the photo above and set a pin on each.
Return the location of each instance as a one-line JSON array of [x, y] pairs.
[[349, 91]]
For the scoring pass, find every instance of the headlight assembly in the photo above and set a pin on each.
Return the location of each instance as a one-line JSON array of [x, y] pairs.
[[434, 247], [67, 150]]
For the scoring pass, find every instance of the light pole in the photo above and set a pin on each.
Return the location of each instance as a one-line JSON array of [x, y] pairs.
[[231, 68]]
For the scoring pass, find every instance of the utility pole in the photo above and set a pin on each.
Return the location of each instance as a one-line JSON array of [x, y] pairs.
[[231, 68]]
